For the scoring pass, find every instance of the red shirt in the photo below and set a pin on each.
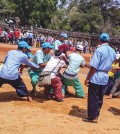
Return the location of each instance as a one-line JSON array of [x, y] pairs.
[[16, 34]]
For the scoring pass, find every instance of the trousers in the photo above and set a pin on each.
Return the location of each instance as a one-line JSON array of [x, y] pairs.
[[76, 84], [95, 99], [56, 85], [18, 84]]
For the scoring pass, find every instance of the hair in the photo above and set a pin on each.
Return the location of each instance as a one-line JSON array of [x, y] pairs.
[[58, 53], [44, 48]]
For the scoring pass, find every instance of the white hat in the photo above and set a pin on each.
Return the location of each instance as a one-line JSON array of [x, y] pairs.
[[79, 47], [117, 56]]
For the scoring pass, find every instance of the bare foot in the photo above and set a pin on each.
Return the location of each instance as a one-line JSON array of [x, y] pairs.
[[109, 96], [29, 98]]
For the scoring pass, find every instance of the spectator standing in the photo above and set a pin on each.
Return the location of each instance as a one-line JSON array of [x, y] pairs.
[[97, 78], [9, 73]]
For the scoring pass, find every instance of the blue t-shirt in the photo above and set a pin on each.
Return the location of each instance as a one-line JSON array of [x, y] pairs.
[[12, 63], [102, 60], [40, 57]]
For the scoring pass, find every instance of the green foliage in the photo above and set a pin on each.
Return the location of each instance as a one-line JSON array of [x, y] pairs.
[[90, 16], [6, 8]]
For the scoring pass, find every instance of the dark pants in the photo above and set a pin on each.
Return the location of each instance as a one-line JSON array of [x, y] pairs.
[[18, 84], [109, 86], [95, 99]]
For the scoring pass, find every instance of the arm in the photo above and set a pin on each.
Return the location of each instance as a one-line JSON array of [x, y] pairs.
[[29, 63], [43, 64], [91, 72]]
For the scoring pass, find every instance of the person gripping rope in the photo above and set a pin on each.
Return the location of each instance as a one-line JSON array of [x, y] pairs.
[[70, 75], [41, 58], [9, 73]]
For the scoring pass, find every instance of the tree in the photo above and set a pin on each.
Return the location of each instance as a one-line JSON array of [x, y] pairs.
[[7, 8]]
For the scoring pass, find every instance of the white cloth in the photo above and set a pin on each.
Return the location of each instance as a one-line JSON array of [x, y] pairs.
[[56, 63]]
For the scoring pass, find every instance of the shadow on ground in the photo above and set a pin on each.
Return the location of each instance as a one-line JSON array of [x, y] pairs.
[[114, 110], [78, 112]]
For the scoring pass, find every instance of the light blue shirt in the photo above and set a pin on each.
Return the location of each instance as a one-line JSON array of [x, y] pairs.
[[12, 63], [75, 60], [40, 58], [102, 60], [56, 44]]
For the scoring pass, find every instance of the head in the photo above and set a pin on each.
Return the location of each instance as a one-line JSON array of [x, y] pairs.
[[79, 48], [59, 54], [23, 46], [104, 38], [63, 37], [46, 47]]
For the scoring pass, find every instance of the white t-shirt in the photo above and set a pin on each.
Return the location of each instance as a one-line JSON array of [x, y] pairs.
[[52, 63]]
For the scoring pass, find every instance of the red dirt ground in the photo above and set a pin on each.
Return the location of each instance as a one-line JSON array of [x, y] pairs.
[[49, 117]]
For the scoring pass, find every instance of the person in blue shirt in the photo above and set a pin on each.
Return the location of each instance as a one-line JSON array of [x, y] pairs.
[[61, 41], [9, 73], [41, 58], [97, 78]]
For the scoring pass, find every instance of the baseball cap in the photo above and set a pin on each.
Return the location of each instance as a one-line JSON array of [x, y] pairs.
[[104, 37], [29, 47], [79, 47], [23, 44], [47, 45], [64, 35]]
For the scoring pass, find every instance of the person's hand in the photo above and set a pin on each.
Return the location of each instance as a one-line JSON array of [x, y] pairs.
[[87, 82]]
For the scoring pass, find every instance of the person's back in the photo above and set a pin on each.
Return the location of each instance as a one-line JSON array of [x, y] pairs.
[[54, 64], [103, 59], [12, 62], [70, 75], [75, 60]]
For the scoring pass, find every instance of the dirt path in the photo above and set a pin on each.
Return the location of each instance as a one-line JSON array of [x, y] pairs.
[[49, 117]]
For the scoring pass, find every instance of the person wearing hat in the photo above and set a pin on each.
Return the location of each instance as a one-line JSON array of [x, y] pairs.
[[29, 55], [55, 63], [70, 75], [9, 73], [41, 58], [97, 78], [59, 42]]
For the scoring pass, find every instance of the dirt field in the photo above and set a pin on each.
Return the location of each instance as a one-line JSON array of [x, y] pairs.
[[49, 117]]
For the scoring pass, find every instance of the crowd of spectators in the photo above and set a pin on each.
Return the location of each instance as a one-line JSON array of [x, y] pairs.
[[35, 39]]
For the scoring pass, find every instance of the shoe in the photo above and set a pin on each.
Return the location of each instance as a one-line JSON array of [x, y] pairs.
[[90, 120]]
